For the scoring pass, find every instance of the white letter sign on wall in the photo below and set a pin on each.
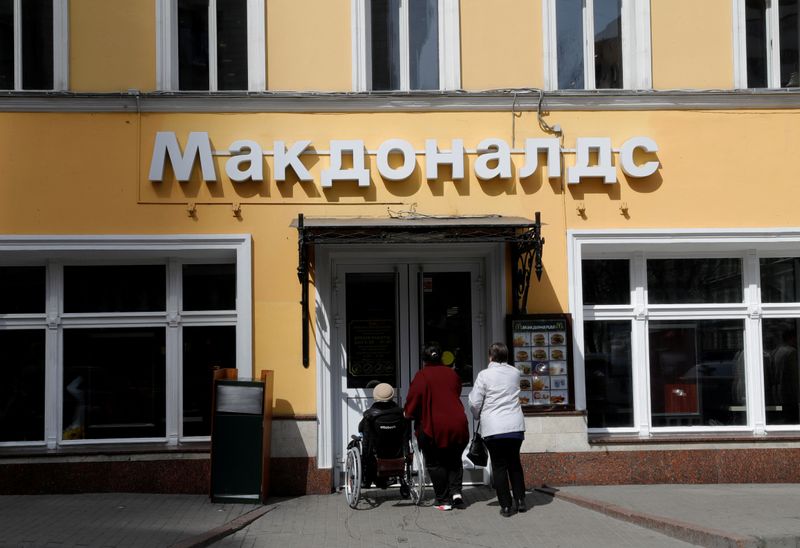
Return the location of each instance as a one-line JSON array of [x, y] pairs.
[[593, 159]]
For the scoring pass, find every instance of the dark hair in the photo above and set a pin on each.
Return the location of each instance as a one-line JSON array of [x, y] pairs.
[[498, 352], [432, 353]]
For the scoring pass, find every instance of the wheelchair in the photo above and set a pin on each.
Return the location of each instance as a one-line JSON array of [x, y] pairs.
[[408, 469]]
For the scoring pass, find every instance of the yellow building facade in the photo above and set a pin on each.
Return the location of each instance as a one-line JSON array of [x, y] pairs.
[[184, 161]]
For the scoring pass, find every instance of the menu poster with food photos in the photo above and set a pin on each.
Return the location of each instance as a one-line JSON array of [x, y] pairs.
[[540, 347]]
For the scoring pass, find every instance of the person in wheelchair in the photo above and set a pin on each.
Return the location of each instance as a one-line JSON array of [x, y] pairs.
[[386, 435]]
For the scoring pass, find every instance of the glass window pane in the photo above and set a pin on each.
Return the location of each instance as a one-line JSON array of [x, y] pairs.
[[789, 43], [128, 288], [447, 319], [781, 368], [756, 38], [683, 281], [779, 280], [205, 349], [609, 381], [209, 287], [423, 31], [385, 44], [607, 44], [606, 281], [193, 44], [6, 44], [232, 44], [23, 289], [371, 329], [37, 44], [22, 354], [569, 44], [114, 383], [697, 373]]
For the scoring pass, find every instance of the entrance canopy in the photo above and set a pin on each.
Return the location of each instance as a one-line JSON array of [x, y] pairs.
[[414, 228]]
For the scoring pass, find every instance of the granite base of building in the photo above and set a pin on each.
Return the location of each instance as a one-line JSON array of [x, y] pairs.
[[289, 476], [777, 465]]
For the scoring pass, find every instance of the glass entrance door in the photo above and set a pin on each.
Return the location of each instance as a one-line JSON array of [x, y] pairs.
[[386, 313]]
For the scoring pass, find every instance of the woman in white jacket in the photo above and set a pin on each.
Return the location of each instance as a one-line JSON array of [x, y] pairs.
[[495, 401]]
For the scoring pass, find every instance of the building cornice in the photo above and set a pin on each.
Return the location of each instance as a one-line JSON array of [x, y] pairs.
[[483, 101]]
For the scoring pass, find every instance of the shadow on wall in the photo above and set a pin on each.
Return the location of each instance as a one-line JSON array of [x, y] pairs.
[[293, 462]]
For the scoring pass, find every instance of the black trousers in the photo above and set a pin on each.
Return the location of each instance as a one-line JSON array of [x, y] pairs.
[[506, 467], [445, 469]]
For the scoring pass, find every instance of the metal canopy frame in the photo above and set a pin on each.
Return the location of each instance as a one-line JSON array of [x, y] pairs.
[[524, 236]]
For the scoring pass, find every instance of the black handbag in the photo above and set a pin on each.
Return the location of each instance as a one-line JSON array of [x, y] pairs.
[[477, 454]]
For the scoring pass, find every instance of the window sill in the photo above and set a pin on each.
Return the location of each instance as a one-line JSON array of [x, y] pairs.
[[634, 439], [115, 450]]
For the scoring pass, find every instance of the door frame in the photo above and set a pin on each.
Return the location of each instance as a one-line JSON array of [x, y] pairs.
[[492, 256]]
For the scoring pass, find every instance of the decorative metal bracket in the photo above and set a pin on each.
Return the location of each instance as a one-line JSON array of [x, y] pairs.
[[527, 258]]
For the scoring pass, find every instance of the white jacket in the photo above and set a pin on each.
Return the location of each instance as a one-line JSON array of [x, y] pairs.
[[495, 400]]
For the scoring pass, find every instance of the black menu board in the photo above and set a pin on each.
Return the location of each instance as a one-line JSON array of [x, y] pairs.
[[540, 346]]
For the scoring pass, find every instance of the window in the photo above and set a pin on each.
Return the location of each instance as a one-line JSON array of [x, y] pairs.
[[406, 45], [767, 43], [211, 45], [697, 336], [129, 344], [33, 44], [597, 44]]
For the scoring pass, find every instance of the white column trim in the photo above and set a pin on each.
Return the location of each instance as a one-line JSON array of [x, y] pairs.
[[174, 355], [550, 45], [244, 308], [60, 45], [404, 42], [642, 46], [212, 45], [256, 46], [54, 373], [17, 44], [449, 45], [359, 30], [167, 44], [773, 45], [588, 45], [739, 37]]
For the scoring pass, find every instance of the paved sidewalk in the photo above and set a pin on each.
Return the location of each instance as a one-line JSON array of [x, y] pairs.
[[614, 516]]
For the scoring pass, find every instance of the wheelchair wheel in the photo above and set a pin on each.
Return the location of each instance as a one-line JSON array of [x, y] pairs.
[[352, 476], [415, 475]]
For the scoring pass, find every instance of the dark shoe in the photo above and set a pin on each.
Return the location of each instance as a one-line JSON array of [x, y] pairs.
[[458, 502], [521, 506], [405, 492], [506, 512]]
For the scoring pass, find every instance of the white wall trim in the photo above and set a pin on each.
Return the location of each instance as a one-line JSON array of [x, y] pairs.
[[449, 44], [60, 45], [257, 46], [739, 38]]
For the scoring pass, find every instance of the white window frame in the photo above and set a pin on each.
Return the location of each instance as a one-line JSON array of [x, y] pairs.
[[167, 68], [60, 45], [636, 44], [449, 45], [638, 246], [57, 251], [773, 45]]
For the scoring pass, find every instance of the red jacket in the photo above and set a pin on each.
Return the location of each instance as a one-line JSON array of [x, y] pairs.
[[434, 402]]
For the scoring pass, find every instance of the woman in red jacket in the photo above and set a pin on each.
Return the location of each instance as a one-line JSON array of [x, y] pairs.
[[434, 403]]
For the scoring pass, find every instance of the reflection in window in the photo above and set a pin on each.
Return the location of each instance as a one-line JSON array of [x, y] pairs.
[[756, 28], [787, 13], [684, 281], [22, 289], [389, 41], [114, 383], [697, 375], [606, 281], [772, 49], [371, 313], [569, 44], [6, 44], [779, 280], [37, 44], [115, 288], [205, 349], [608, 44], [781, 388], [22, 355], [608, 366], [447, 319], [209, 286]]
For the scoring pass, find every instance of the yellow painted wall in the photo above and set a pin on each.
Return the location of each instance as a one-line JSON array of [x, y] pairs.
[[80, 174], [112, 45], [692, 44], [309, 45], [501, 44]]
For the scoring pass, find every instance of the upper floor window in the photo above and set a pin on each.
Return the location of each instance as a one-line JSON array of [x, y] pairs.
[[597, 44], [211, 45], [406, 45], [767, 42], [33, 44]]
